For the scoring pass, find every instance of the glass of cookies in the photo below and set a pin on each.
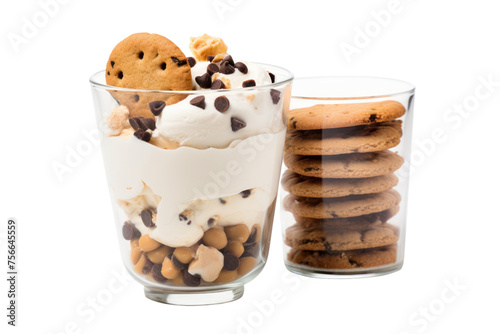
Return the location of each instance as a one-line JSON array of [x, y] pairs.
[[347, 154]]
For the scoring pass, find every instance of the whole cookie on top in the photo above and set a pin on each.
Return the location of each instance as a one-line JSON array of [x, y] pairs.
[[150, 62], [330, 116]]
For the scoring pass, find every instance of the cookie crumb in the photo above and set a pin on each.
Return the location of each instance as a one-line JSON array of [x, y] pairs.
[[206, 45], [117, 119]]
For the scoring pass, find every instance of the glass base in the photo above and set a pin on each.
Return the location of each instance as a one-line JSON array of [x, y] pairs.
[[342, 273], [197, 297]]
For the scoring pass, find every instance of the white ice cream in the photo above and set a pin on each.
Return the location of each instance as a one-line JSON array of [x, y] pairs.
[[192, 126], [192, 179]]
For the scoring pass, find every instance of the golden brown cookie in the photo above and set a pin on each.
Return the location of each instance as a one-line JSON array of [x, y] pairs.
[[371, 219], [364, 138], [349, 206], [355, 165], [324, 188], [329, 116], [150, 62], [366, 258], [319, 237]]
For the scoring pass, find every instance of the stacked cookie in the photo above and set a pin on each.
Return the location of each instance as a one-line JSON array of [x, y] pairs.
[[340, 180]]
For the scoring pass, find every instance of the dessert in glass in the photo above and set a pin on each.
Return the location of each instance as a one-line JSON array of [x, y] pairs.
[[192, 148]]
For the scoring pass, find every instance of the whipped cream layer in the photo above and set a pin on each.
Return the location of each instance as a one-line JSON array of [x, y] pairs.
[[186, 179], [190, 125]]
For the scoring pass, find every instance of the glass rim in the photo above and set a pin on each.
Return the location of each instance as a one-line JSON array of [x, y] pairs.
[[410, 90], [95, 82]]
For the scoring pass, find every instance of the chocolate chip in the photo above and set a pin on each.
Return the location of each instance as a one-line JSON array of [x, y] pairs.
[[210, 222], [143, 135], [252, 236], [272, 77], [226, 68], [163, 66], [188, 223], [237, 124], [109, 73], [142, 123], [120, 75], [137, 98], [212, 68], [204, 80], [373, 117], [249, 83], [133, 122], [156, 107], [241, 67], [251, 250], [191, 61], [180, 265], [148, 265], [147, 218], [217, 84], [190, 280], [129, 231], [221, 103], [140, 55], [112, 64], [210, 58], [178, 62], [149, 123], [228, 59], [275, 95], [198, 101], [182, 217], [231, 262], [245, 193], [222, 201], [156, 271], [294, 124]]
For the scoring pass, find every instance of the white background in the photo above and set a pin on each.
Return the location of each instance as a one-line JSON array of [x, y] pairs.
[[67, 244]]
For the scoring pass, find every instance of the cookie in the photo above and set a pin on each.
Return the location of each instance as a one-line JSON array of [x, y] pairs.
[[355, 165], [366, 138], [321, 237], [326, 188], [329, 116], [371, 219], [345, 260], [149, 62], [349, 206]]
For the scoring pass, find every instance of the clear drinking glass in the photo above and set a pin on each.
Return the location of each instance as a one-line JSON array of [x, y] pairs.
[[346, 187], [193, 217]]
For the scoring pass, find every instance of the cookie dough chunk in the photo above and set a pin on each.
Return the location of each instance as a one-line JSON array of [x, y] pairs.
[[326, 188], [356, 165], [206, 45], [334, 238], [350, 206], [369, 138], [345, 260], [151, 62], [329, 116]]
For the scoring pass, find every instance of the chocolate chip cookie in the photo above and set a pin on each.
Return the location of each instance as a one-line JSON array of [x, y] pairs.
[[306, 186], [329, 116], [368, 138]]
